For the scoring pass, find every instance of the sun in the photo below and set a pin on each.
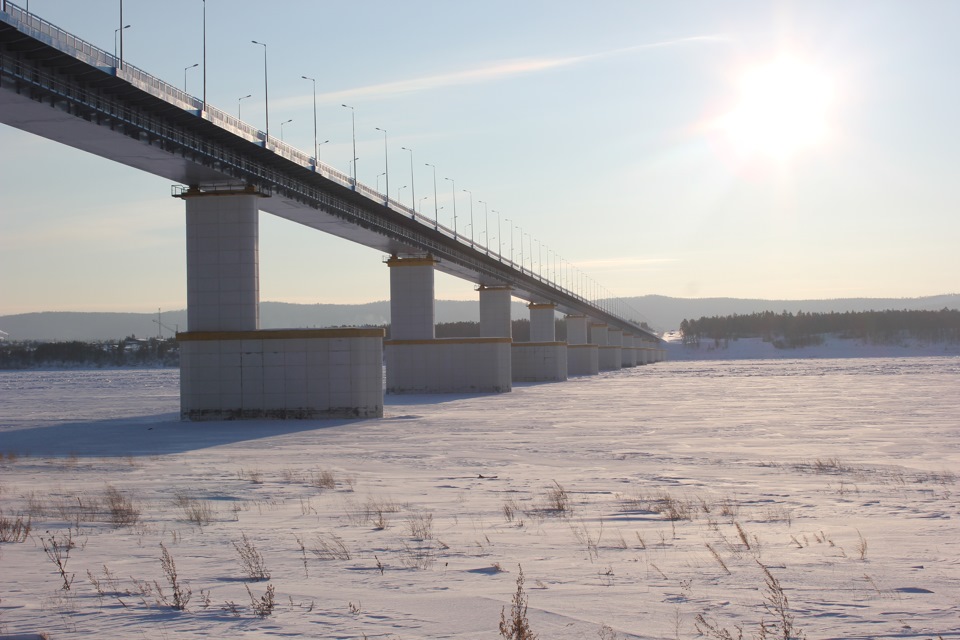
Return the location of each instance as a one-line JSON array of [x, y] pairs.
[[782, 109]]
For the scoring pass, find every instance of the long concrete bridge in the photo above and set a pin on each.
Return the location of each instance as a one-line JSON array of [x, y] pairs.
[[58, 86]]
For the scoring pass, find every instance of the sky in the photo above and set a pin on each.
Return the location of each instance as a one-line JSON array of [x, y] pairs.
[[769, 150]]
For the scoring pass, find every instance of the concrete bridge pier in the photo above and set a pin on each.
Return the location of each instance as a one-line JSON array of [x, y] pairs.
[[543, 359], [495, 320], [229, 368], [582, 357], [628, 352], [615, 345], [418, 362], [607, 354]]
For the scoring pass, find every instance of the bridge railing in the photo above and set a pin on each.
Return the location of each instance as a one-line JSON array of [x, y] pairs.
[[82, 50]]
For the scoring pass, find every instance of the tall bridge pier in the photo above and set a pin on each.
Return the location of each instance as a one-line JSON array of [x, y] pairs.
[[419, 362], [229, 367]]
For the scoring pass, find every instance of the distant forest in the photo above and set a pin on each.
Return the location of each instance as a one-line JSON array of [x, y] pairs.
[[790, 330], [128, 352]]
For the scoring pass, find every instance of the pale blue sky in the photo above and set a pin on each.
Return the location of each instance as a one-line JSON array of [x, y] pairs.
[[591, 125]]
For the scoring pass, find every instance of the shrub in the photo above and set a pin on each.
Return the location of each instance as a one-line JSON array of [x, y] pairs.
[[251, 560], [517, 626]]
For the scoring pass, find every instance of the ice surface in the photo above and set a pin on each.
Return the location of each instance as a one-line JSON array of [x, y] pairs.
[[840, 474]]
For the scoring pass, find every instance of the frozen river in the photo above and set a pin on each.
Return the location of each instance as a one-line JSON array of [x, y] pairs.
[[681, 481]]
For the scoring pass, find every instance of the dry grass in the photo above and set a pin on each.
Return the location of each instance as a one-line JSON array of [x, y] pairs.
[[199, 512], [330, 547], [251, 560], [14, 529], [122, 510]]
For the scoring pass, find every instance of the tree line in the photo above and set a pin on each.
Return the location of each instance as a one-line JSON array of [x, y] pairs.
[[799, 329], [128, 352]]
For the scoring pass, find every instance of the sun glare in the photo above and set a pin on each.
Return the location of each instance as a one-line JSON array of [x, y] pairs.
[[782, 109]]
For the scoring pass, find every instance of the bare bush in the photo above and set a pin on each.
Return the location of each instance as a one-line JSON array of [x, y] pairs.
[[421, 526], [417, 556], [264, 605], [557, 500], [180, 594], [58, 550], [373, 510], [517, 626], [323, 479], [199, 512], [121, 509], [251, 561], [14, 529], [777, 605]]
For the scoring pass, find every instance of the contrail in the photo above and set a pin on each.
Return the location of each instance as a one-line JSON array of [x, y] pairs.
[[489, 73]]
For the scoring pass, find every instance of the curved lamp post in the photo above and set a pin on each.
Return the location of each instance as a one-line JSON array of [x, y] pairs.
[[266, 98], [316, 147], [353, 128]]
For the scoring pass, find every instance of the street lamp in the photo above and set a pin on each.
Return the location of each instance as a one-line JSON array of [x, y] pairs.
[[266, 99], [386, 168], [510, 224], [453, 190], [316, 147], [413, 199], [185, 69], [116, 32], [539, 260], [240, 101], [379, 175], [121, 29], [353, 128], [204, 55], [523, 262], [420, 203], [436, 212], [319, 144], [281, 127], [471, 215], [499, 238], [399, 190], [486, 226]]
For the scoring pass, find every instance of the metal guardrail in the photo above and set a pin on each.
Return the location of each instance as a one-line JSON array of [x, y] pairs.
[[66, 42]]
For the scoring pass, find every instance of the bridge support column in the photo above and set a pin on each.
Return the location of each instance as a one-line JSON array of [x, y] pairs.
[[223, 278], [542, 324], [543, 359], [582, 357], [495, 320], [629, 353], [418, 362], [229, 369], [599, 337], [412, 306], [615, 347]]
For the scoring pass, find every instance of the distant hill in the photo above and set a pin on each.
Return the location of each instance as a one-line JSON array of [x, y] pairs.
[[660, 312]]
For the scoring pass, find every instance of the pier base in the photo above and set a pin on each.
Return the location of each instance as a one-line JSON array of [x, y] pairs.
[[286, 374]]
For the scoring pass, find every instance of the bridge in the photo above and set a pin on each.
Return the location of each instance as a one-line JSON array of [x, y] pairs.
[[56, 85]]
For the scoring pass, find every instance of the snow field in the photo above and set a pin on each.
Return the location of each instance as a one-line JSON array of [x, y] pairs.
[[635, 502]]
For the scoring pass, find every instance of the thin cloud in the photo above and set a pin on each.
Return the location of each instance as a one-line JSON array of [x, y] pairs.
[[622, 263], [490, 73]]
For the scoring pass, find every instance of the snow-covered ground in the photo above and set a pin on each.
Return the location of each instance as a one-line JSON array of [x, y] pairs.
[[634, 502]]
